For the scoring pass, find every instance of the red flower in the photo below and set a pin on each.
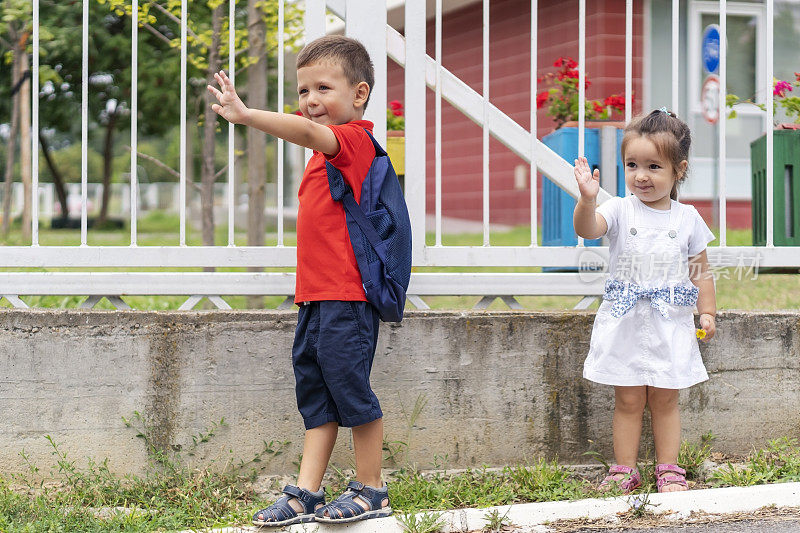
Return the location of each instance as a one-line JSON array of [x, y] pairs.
[[566, 62], [396, 107], [615, 101], [597, 107], [781, 88], [569, 73], [797, 75], [541, 98]]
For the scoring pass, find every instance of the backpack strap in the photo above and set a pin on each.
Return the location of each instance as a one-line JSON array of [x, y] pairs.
[[341, 192]]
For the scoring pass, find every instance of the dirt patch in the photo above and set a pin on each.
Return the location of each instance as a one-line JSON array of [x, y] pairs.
[[651, 520]]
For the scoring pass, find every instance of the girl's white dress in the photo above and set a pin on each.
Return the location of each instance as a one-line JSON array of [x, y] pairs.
[[644, 331]]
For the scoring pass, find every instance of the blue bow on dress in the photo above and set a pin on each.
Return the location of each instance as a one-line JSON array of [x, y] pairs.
[[659, 297]]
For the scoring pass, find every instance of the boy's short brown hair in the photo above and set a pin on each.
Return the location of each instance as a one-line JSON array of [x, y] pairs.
[[349, 53]]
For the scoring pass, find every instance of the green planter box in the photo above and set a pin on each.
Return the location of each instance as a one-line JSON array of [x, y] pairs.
[[786, 188]]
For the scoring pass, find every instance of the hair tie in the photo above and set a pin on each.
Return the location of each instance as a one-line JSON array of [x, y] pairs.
[[664, 110]]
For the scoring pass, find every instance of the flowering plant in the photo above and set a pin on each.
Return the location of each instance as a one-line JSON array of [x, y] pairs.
[[781, 97], [562, 96], [394, 116]]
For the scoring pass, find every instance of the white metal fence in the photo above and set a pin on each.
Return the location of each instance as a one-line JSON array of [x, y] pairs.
[[361, 18]]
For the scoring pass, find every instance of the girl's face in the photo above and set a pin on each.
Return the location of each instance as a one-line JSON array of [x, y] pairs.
[[649, 175]]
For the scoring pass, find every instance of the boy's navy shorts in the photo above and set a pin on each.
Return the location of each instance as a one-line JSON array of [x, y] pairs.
[[334, 345]]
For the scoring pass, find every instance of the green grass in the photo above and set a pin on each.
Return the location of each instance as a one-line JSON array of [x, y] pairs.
[[735, 289], [779, 462], [171, 495]]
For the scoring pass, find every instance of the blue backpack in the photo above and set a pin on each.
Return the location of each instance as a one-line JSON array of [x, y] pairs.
[[380, 232]]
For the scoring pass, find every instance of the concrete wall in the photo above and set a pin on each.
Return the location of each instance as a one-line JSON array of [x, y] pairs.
[[499, 387]]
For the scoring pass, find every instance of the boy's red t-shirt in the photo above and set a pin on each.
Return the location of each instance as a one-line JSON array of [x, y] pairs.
[[326, 265]]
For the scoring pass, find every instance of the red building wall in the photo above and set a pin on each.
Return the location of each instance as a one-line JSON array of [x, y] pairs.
[[509, 90]]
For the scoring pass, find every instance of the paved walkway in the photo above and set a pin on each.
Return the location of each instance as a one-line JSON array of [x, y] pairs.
[[765, 525], [533, 517]]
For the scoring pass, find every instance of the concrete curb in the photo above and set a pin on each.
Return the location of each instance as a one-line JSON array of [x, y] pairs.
[[678, 505]]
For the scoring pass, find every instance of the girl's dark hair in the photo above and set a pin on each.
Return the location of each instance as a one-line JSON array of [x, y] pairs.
[[671, 136], [349, 53]]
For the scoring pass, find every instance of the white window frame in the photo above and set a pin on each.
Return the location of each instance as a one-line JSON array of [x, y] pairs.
[[696, 10]]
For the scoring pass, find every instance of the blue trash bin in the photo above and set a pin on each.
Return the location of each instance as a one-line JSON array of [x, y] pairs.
[[558, 206]]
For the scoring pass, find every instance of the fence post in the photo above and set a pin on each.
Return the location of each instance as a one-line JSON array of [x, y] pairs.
[[415, 117], [366, 21]]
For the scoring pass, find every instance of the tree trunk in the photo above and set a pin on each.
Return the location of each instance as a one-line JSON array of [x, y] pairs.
[[256, 140], [8, 188], [108, 156], [25, 145], [58, 179], [207, 177]]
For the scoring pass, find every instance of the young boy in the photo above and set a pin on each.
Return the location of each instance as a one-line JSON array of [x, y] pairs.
[[337, 328]]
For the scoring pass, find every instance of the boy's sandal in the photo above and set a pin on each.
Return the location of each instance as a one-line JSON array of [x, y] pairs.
[[668, 475], [624, 477], [346, 508], [281, 513]]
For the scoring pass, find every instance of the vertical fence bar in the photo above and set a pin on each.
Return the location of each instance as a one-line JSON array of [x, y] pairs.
[[134, 119], [314, 20], [84, 118], [231, 131], [366, 21], [415, 141], [314, 27], [581, 83], [628, 60], [723, 76], [281, 67], [438, 123], [486, 122], [35, 127], [534, 123], [581, 75], [182, 188], [675, 54], [768, 124]]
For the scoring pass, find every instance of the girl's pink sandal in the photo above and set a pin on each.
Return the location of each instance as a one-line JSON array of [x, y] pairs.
[[630, 480], [667, 475]]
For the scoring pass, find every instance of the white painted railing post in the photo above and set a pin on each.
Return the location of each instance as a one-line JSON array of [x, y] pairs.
[[415, 115], [314, 23], [362, 21]]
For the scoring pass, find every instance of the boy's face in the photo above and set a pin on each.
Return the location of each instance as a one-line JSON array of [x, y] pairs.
[[326, 95]]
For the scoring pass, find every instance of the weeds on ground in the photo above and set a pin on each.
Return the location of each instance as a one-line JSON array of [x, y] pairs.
[[640, 505], [170, 495], [779, 462], [691, 456], [412, 490], [173, 496], [428, 522], [496, 521], [398, 449]]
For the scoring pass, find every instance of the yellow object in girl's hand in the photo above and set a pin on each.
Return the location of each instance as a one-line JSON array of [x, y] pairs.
[[701, 334]]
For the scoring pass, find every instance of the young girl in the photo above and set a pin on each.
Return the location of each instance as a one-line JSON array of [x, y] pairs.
[[644, 340]]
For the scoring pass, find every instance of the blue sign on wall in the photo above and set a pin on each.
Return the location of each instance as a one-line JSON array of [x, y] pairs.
[[710, 49]]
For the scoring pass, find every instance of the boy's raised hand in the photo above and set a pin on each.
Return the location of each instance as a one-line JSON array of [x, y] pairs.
[[588, 182], [230, 107]]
